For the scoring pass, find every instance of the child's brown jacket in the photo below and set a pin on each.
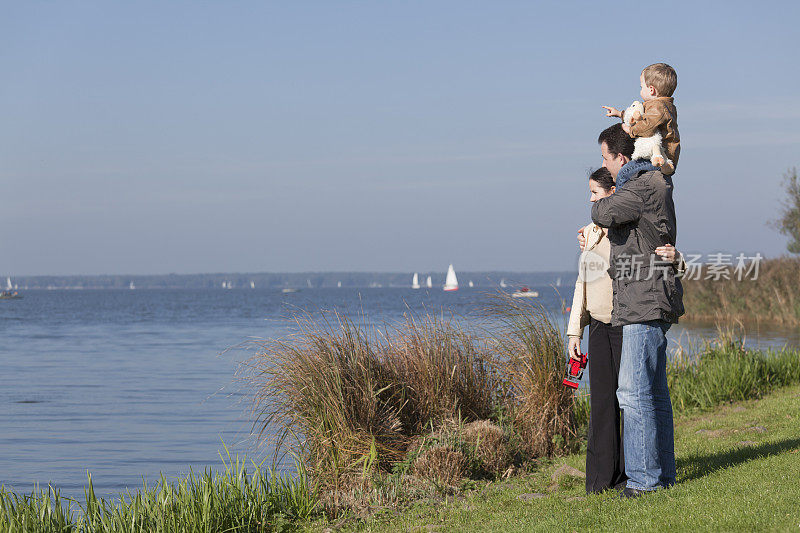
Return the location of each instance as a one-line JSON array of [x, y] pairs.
[[660, 116]]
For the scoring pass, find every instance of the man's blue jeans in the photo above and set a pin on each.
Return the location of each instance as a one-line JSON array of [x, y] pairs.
[[647, 411]]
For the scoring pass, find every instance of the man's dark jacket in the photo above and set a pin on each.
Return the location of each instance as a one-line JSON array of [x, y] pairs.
[[641, 216]]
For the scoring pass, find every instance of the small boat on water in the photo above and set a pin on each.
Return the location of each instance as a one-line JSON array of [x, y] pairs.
[[525, 292], [428, 282], [289, 290], [451, 282], [415, 281], [10, 293]]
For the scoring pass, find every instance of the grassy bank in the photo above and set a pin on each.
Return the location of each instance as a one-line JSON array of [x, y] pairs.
[[737, 470], [392, 421], [772, 297]]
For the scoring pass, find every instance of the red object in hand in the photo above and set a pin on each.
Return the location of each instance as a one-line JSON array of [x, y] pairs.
[[575, 370]]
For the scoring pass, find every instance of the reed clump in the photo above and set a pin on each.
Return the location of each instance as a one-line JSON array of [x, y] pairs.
[[724, 370], [530, 353], [424, 397], [351, 397], [231, 500], [720, 295]]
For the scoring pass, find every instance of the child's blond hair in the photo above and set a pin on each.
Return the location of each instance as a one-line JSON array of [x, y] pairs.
[[662, 77]]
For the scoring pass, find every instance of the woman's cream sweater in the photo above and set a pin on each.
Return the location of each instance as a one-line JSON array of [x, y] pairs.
[[593, 293]]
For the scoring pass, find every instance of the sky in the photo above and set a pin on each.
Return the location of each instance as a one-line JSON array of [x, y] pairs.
[[158, 137]]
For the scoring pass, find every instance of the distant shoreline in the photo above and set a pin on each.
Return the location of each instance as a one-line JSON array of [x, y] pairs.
[[299, 280]]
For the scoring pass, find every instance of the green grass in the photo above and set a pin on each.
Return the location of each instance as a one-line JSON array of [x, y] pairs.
[[738, 469], [230, 500]]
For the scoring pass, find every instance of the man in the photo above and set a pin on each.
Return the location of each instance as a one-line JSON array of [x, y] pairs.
[[648, 299]]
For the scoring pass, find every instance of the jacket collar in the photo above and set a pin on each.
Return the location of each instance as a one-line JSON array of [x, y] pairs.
[[594, 234]]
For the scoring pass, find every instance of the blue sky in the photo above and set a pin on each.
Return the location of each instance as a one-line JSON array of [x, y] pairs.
[[155, 137]]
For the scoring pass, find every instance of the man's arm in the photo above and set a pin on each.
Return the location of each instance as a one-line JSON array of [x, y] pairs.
[[620, 208], [647, 126]]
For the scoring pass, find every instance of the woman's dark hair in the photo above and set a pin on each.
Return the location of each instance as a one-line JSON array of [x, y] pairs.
[[603, 178]]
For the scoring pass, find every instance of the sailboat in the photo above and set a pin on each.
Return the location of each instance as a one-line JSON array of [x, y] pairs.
[[415, 281], [7, 294], [558, 282], [471, 284], [339, 284], [451, 282], [252, 284], [503, 283], [428, 282], [131, 286]]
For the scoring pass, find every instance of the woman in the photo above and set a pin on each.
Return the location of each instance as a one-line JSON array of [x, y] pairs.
[[591, 305]]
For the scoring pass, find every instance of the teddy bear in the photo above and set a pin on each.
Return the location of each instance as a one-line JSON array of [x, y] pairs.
[[645, 147]]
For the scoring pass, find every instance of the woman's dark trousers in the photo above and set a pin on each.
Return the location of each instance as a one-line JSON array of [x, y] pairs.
[[605, 459]]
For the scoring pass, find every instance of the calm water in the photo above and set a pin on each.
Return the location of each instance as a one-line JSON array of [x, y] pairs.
[[128, 384]]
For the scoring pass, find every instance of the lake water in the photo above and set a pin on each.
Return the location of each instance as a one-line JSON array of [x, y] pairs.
[[130, 384]]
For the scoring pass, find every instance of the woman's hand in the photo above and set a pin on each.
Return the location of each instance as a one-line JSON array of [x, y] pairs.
[[574, 348], [581, 238], [668, 253]]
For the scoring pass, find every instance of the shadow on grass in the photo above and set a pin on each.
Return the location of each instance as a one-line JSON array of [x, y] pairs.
[[697, 466]]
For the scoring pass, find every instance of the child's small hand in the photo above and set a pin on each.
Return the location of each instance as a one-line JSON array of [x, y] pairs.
[[612, 111]]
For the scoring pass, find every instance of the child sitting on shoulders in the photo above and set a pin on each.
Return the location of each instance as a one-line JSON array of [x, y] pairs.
[[658, 82]]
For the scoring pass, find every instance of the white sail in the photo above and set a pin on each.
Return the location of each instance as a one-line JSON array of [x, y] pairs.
[[339, 284], [131, 286], [471, 284], [503, 283], [224, 284], [252, 284], [8, 284], [451, 282], [558, 282], [415, 281], [428, 282]]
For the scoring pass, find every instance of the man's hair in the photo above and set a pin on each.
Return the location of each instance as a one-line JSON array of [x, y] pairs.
[[662, 77], [617, 141], [603, 178]]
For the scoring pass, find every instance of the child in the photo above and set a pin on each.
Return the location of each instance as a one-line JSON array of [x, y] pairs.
[[658, 81]]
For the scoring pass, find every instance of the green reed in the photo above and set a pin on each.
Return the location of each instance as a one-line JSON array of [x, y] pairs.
[[723, 370], [230, 500]]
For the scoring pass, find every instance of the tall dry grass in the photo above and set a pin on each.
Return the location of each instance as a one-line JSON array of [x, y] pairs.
[[772, 297], [349, 397], [530, 351]]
